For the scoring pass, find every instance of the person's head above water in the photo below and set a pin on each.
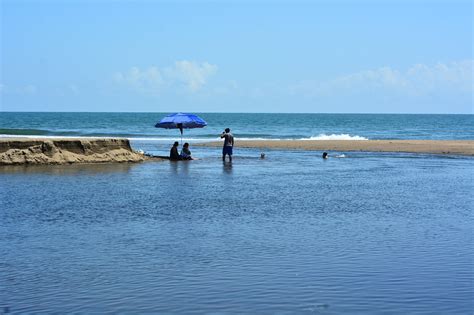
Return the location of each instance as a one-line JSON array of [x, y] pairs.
[[176, 143], [325, 155], [227, 130]]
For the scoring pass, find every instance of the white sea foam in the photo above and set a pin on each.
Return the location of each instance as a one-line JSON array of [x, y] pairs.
[[129, 138], [95, 137], [320, 137], [343, 136]]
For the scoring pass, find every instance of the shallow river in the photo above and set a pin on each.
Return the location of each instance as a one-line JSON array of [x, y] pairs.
[[369, 233]]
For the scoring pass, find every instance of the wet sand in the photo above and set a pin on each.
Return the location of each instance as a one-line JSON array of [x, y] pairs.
[[456, 147]]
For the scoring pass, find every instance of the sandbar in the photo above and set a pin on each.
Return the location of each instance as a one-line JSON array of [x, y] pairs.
[[41, 151], [454, 147]]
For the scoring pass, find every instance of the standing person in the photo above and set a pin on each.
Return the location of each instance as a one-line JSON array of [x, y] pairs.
[[228, 144], [174, 155]]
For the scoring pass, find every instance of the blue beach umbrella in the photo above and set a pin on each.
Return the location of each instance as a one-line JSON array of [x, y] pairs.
[[181, 121]]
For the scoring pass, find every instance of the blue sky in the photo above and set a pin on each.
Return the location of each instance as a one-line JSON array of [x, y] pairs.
[[237, 56]]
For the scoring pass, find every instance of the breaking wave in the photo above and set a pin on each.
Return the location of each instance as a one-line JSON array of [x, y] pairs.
[[343, 136], [35, 133]]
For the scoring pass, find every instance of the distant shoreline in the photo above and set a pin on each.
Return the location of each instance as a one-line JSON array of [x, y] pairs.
[[18, 151], [454, 147]]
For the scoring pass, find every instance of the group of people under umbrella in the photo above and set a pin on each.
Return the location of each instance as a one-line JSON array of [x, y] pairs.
[[188, 121]]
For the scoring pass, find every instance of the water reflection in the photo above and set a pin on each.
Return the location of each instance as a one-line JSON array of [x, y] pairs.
[[336, 235], [180, 167], [174, 167], [227, 167], [68, 169]]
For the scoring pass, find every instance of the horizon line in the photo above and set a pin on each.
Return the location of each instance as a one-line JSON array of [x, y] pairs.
[[210, 112]]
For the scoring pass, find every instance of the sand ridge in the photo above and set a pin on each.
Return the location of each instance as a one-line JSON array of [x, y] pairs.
[[16, 151], [455, 147]]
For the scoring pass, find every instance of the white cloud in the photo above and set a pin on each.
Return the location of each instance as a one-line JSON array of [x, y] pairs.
[[455, 75], [384, 76], [148, 80], [420, 79], [192, 75]]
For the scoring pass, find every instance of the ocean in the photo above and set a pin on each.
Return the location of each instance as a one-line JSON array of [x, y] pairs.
[[369, 233], [245, 126]]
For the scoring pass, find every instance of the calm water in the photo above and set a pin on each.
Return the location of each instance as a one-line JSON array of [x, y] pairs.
[[367, 234], [244, 126]]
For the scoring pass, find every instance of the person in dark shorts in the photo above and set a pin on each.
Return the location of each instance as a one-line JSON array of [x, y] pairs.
[[228, 144], [174, 155]]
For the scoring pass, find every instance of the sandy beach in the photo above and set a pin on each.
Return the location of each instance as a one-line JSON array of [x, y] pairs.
[[456, 147]]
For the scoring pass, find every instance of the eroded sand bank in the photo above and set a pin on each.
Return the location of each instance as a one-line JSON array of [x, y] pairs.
[[456, 147], [16, 151]]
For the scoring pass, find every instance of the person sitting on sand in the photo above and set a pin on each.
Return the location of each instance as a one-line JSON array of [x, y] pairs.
[[325, 155], [186, 153], [174, 155]]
